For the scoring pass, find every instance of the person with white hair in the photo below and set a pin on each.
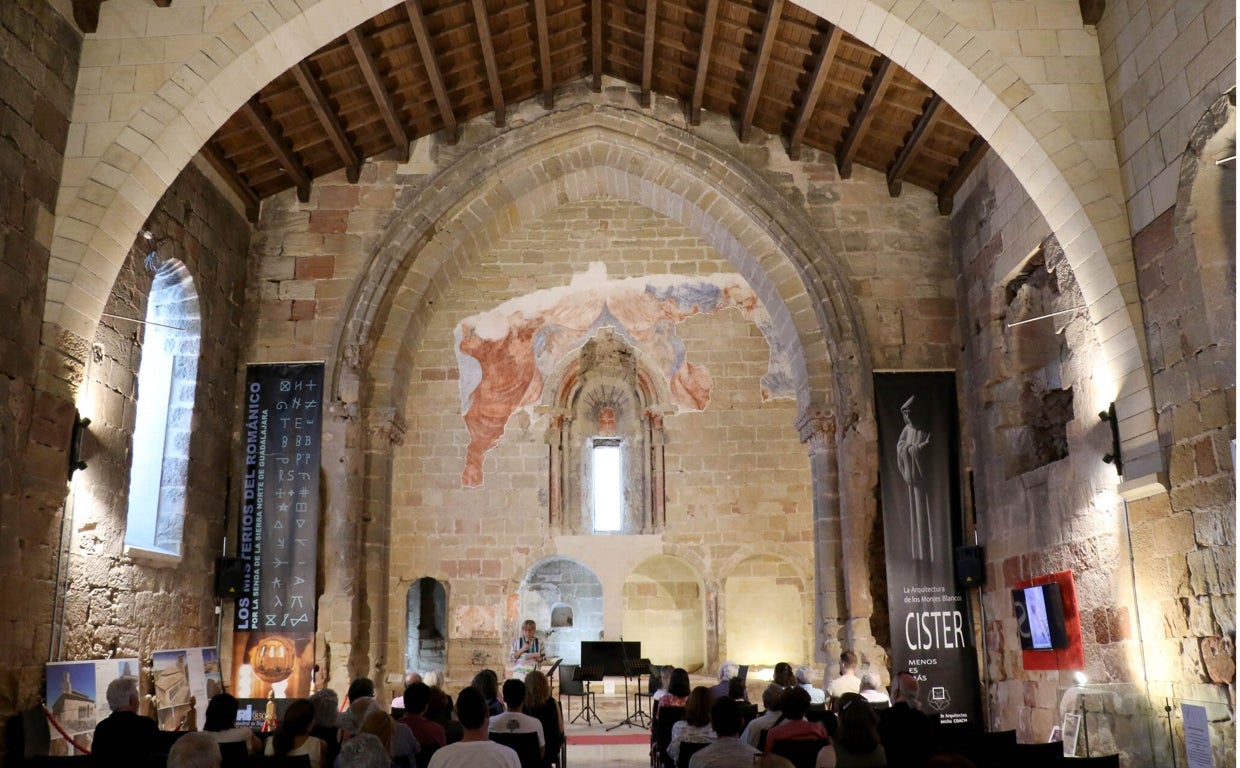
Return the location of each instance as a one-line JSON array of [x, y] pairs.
[[195, 750], [124, 734], [805, 679], [363, 751], [727, 670], [872, 690]]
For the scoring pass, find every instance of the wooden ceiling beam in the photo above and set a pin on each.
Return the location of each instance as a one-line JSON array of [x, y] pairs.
[[921, 132], [228, 172], [652, 15], [761, 62], [421, 33], [267, 130], [379, 92], [879, 80], [596, 45], [327, 118], [968, 161], [817, 80], [703, 63], [544, 53], [487, 42]]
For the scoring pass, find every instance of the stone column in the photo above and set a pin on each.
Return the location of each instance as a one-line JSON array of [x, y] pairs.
[[857, 456], [817, 430], [340, 607], [385, 430]]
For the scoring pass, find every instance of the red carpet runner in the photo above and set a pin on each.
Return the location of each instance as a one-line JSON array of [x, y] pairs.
[[638, 737]]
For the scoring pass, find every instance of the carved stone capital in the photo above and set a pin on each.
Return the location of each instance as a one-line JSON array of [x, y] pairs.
[[817, 429], [386, 424]]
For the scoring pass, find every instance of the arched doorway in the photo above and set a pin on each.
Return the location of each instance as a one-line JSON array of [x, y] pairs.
[[426, 626]]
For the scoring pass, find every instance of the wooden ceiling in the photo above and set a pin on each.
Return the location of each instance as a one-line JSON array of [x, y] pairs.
[[426, 66]]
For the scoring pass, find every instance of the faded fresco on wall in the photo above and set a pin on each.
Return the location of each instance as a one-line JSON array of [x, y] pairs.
[[505, 354]]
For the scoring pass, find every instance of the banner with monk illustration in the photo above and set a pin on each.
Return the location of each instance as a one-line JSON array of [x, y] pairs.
[[931, 630], [273, 629]]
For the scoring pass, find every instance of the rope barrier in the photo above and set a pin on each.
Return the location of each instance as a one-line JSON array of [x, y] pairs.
[[52, 719]]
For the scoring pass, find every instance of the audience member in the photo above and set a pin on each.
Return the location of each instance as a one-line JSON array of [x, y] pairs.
[[727, 751], [805, 679], [475, 750], [794, 704], [908, 735], [665, 675], [195, 750], [396, 737], [430, 735], [771, 697], [361, 686], [856, 743], [871, 690], [727, 671], [439, 710], [326, 704], [292, 737], [398, 703], [783, 675], [514, 720], [736, 690], [677, 689], [540, 704], [847, 682], [124, 734], [363, 751], [487, 682], [221, 723], [695, 727], [433, 679]]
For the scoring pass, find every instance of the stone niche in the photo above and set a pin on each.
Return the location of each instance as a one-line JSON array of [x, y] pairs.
[[426, 627], [664, 609], [765, 614], [563, 597]]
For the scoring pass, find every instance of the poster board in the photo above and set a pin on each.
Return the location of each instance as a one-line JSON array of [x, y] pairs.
[[179, 675], [76, 694]]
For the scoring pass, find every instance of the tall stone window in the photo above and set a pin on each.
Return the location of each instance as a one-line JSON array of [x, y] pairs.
[[606, 440], [167, 381]]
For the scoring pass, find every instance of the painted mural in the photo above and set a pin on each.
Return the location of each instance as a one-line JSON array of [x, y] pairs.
[[505, 354]]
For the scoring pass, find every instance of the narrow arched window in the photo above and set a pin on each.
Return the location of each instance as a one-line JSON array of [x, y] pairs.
[[167, 381]]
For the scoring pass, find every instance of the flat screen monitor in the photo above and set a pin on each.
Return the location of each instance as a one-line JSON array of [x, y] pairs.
[[1040, 617]]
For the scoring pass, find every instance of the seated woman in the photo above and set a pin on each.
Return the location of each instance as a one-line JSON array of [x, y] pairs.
[[695, 728], [794, 704], [293, 737], [221, 723], [857, 743], [487, 682], [540, 704], [677, 689]]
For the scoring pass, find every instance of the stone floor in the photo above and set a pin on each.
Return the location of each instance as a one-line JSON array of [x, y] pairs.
[[611, 710]]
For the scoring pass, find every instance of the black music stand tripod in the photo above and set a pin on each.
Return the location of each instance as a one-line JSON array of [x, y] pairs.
[[587, 675], [639, 667]]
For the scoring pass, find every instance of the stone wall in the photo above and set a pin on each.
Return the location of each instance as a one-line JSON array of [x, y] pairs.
[[1165, 63], [126, 602], [1154, 576], [38, 73]]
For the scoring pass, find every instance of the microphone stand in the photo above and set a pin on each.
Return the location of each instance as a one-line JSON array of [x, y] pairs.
[[628, 718]]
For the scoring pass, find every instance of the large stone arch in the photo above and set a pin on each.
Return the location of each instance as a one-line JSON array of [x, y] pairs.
[[104, 198]]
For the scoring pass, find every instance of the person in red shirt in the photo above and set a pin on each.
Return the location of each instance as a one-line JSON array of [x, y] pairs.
[[430, 735], [794, 705]]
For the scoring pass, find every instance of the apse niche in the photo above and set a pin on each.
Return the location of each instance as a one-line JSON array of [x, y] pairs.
[[426, 634], [663, 608], [564, 598], [765, 619]]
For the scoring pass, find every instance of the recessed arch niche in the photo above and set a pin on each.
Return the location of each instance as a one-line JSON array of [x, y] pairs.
[[563, 597], [426, 626], [764, 605], [664, 610]]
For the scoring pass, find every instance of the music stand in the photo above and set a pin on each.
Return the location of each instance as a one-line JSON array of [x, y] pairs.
[[551, 674], [639, 668], [587, 675]]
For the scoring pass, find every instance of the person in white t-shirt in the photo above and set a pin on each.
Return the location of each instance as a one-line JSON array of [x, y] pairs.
[[847, 682], [476, 750], [514, 720]]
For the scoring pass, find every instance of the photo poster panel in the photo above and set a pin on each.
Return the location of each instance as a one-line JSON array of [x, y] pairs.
[[179, 675], [1072, 657], [76, 694], [931, 629], [273, 629]]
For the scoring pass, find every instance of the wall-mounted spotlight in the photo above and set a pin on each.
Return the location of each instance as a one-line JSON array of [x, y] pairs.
[[1114, 457], [75, 443]]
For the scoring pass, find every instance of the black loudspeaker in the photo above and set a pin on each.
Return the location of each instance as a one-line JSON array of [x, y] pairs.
[[970, 566], [229, 577]]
